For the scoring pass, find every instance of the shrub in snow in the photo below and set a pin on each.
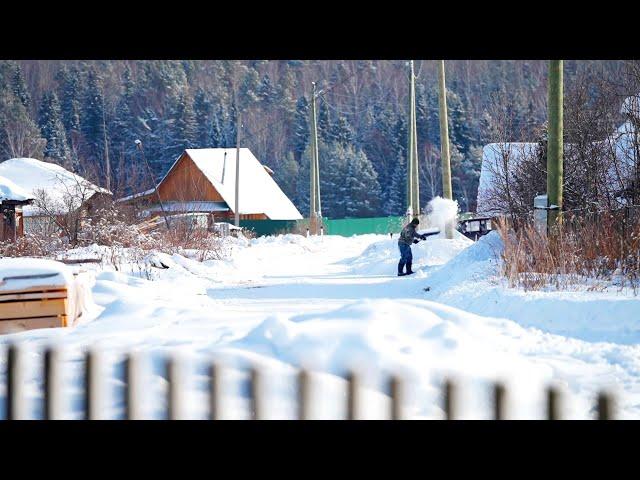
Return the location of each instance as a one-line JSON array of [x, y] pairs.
[[32, 245], [112, 235], [596, 250]]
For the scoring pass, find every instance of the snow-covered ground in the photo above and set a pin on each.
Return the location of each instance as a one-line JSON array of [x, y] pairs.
[[333, 303]]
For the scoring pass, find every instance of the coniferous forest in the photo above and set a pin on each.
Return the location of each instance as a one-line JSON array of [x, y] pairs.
[[81, 113]]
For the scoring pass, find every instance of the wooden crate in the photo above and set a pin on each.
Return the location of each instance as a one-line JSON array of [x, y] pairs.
[[34, 308], [21, 324]]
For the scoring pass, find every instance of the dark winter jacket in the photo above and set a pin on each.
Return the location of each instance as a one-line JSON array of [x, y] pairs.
[[408, 234]]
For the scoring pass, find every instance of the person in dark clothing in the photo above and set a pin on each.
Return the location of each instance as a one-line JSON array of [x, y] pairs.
[[407, 237]]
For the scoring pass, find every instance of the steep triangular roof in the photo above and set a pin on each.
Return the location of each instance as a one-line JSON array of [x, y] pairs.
[[259, 193]]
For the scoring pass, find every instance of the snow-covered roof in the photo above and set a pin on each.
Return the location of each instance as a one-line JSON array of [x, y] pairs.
[[39, 272], [492, 166], [195, 206], [191, 207], [136, 195], [11, 191], [259, 193], [631, 106], [35, 176]]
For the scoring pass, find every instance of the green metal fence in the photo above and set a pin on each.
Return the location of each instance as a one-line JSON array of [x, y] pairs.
[[348, 227], [269, 227], [345, 227]]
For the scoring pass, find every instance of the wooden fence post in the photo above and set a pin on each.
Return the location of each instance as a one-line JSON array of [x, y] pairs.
[[605, 406], [175, 388], [215, 391], [92, 386], [449, 399], [499, 394], [553, 400], [51, 383], [256, 395], [352, 396], [132, 378], [14, 365], [397, 397], [304, 395]]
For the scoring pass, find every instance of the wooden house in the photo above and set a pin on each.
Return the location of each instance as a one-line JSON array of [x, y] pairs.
[[12, 200], [204, 181], [55, 191]]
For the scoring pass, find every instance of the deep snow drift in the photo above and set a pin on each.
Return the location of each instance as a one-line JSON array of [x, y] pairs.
[[471, 282], [334, 303]]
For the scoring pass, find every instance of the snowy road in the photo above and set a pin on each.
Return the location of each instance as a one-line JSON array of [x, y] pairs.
[[333, 303]]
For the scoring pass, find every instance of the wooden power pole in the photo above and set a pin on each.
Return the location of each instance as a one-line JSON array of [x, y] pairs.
[[237, 206], [555, 142], [314, 187], [413, 185], [444, 142], [444, 134]]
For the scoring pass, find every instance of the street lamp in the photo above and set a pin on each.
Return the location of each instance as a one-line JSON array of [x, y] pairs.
[[144, 159]]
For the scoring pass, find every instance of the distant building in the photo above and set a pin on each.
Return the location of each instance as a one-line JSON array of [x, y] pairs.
[[55, 191], [204, 181], [502, 160], [499, 161]]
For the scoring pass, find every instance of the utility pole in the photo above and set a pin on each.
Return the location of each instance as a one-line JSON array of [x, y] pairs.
[[444, 134], [444, 142], [314, 192], [555, 142], [237, 207], [413, 187]]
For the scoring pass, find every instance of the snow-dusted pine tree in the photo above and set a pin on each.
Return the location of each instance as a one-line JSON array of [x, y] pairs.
[[396, 202], [93, 118], [70, 99], [286, 176], [301, 128], [50, 123], [182, 133], [20, 87], [362, 197], [202, 110]]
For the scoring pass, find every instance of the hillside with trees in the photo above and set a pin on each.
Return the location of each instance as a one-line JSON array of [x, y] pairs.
[[81, 113]]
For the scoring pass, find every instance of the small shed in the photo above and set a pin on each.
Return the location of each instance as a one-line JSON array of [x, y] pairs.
[[12, 200]]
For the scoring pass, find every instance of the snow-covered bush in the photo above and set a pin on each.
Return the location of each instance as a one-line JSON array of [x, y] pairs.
[[32, 245], [118, 240]]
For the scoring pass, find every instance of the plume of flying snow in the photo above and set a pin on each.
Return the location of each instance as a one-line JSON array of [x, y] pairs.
[[441, 211]]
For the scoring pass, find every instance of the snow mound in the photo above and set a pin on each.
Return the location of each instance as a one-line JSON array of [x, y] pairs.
[[478, 261], [382, 257], [472, 281], [415, 338]]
